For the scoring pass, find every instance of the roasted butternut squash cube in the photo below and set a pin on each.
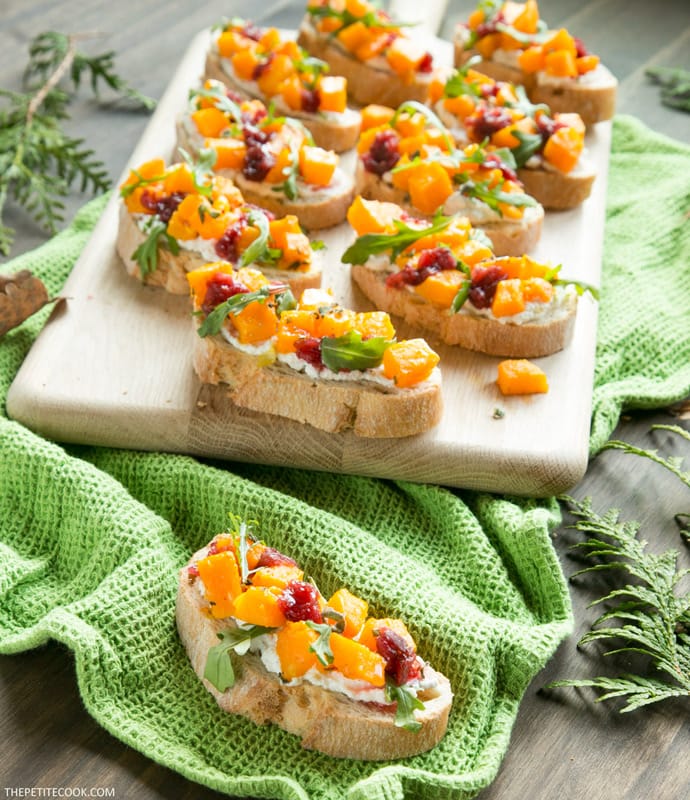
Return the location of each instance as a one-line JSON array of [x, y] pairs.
[[353, 609], [409, 362], [317, 165], [508, 299], [292, 647], [230, 153], [220, 576], [279, 575], [255, 323], [441, 287], [357, 662], [372, 216], [258, 605], [332, 93], [430, 186], [520, 376]]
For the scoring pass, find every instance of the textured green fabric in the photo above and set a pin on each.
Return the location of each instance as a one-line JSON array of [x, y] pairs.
[[91, 539]]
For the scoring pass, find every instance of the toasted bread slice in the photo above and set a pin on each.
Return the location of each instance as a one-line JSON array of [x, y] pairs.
[[473, 332], [325, 720], [508, 237], [171, 272], [370, 81], [558, 190]]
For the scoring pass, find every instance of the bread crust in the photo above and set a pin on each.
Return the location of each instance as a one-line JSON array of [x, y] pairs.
[[368, 409], [326, 209], [330, 134], [530, 340], [557, 190], [594, 102], [325, 721], [172, 270], [508, 237], [365, 83]]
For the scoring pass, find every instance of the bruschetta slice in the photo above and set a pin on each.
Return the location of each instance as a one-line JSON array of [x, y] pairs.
[[361, 42], [176, 218], [443, 277], [549, 149], [272, 160], [407, 157], [313, 361], [554, 66], [261, 63], [269, 646]]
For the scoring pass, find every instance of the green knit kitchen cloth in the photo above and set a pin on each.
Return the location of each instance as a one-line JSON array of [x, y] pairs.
[[91, 539]]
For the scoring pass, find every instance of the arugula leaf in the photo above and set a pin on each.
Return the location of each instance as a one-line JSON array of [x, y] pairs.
[[580, 287], [221, 101], [350, 351], [494, 196], [285, 302], [257, 248], [530, 143], [372, 243], [370, 19], [218, 670], [478, 235], [407, 703], [201, 168], [146, 255], [462, 294], [525, 105], [214, 321], [321, 647], [458, 84], [129, 188], [524, 38]]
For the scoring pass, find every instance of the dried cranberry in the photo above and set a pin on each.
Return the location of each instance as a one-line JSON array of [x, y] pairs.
[[163, 207], [251, 31], [311, 100], [270, 557], [254, 136], [261, 67], [426, 64], [236, 97], [487, 120], [430, 261], [402, 663], [580, 49], [192, 571], [220, 288], [495, 162], [309, 350], [257, 163], [547, 126], [227, 246], [489, 89], [300, 601], [383, 154], [484, 282]]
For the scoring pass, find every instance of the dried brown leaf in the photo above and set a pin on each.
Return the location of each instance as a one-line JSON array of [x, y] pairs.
[[21, 295]]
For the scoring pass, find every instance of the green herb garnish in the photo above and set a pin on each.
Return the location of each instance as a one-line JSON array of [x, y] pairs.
[[530, 143], [201, 168], [259, 246], [214, 321], [321, 647], [462, 294], [351, 352], [373, 243], [285, 302], [146, 255], [407, 703], [675, 86], [413, 107], [218, 670], [370, 19]]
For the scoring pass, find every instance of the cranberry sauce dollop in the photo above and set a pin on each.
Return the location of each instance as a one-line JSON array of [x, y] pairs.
[[430, 261], [300, 601]]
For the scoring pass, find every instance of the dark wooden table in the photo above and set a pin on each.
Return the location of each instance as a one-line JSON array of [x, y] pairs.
[[564, 745]]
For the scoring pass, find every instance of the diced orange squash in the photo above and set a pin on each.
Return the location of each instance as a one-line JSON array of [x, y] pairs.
[[251, 277], [572, 120], [367, 636], [508, 299], [472, 252], [222, 584], [520, 376], [210, 121], [353, 609], [366, 138], [231, 42], [409, 362], [430, 186], [290, 48], [133, 200], [561, 40], [149, 169], [209, 223], [179, 179], [401, 177], [410, 124], [357, 662], [300, 319], [528, 18], [270, 39], [376, 44], [258, 605], [563, 148], [281, 169], [435, 91], [317, 166], [328, 24], [247, 236], [358, 8], [372, 216], [291, 90], [513, 266], [532, 59], [223, 186], [336, 323], [405, 55], [488, 44], [537, 290], [292, 647], [375, 323], [332, 93], [411, 144], [254, 554], [505, 137], [461, 106], [255, 323], [441, 287], [586, 63], [561, 64], [475, 18], [279, 575], [280, 227], [297, 251], [376, 116], [287, 338], [180, 229], [279, 68], [230, 153], [508, 42], [354, 36], [244, 62]]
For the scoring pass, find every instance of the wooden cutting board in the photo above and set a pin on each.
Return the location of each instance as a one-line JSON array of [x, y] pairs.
[[113, 365]]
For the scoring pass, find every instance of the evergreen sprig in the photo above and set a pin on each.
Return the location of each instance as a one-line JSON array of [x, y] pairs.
[[675, 86], [39, 162], [653, 615]]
